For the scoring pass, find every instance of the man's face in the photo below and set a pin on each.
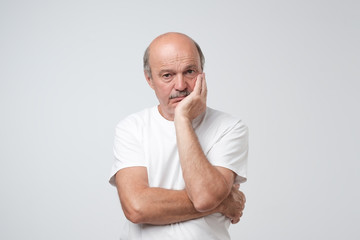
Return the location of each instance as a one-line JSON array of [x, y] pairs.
[[175, 64]]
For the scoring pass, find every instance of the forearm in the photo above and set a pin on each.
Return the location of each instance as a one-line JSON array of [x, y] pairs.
[[159, 206], [205, 184]]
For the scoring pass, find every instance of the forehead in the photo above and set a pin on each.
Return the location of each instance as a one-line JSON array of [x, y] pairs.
[[173, 53]]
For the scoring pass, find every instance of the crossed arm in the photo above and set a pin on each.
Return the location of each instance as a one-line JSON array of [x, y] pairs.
[[158, 206], [209, 189]]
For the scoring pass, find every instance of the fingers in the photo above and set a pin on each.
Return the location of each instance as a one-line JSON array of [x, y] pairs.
[[200, 85], [240, 199], [243, 197], [234, 221], [203, 87]]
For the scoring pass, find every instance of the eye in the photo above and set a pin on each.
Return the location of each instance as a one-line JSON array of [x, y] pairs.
[[190, 73], [166, 75]]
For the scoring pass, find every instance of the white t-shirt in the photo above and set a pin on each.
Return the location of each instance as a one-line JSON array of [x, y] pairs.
[[149, 140]]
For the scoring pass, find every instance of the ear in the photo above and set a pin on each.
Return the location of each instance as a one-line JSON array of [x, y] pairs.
[[149, 80]]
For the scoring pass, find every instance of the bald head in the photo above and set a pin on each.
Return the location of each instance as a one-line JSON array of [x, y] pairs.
[[166, 41]]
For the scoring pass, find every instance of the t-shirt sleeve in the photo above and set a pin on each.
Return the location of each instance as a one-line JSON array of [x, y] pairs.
[[231, 151], [128, 151]]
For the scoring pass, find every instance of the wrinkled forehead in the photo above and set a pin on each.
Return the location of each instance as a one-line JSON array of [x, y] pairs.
[[172, 50], [171, 54]]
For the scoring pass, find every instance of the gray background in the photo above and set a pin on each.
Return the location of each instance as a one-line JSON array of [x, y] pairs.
[[70, 70]]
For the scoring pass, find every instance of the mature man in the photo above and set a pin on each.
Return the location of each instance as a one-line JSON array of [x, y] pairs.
[[178, 165]]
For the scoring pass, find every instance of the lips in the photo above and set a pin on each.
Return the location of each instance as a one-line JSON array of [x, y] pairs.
[[178, 99]]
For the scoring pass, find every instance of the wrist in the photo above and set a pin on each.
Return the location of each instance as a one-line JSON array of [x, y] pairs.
[[181, 119]]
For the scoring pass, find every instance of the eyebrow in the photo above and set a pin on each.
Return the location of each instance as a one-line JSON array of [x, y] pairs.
[[164, 71], [191, 66], [186, 68]]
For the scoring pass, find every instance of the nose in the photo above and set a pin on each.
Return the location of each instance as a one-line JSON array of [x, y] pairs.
[[180, 83]]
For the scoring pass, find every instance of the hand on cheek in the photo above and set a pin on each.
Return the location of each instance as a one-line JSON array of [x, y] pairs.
[[194, 104]]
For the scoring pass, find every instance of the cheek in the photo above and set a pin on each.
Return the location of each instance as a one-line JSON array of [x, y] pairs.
[[164, 91]]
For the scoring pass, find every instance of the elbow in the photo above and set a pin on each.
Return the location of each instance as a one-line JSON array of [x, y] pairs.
[[207, 201], [204, 207], [134, 217], [134, 213], [205, 204]]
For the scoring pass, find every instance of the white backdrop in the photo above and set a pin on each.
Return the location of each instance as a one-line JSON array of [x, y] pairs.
[[70, 70]]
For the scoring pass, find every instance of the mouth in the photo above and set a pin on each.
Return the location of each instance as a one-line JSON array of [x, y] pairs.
[[178, 99]]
